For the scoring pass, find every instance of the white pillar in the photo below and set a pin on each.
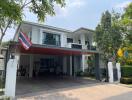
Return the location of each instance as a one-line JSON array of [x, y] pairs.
[[63, 40], [110, 72], [41, 37], [70, 65], [64, 64], [118, 71], [83, 63], [83, 41], [10, 84], [31, 66]]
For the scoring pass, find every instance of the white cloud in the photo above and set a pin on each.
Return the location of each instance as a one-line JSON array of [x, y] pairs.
[[70, 5], [123, 4]]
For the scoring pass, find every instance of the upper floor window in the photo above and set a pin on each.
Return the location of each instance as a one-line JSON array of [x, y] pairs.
[[30, 35], [69, 40], [79, 41], [51, 39]]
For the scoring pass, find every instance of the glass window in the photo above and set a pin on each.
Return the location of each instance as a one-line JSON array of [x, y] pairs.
[[79, 41], [69, 40], [51, 39], [30, 35]]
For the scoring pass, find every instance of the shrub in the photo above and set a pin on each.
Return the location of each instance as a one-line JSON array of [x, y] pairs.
[[126, 80], [79, 73], [126, 71], [85, 73], [2, 83]]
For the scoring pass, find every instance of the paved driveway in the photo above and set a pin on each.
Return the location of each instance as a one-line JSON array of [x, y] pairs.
[[69, 90]]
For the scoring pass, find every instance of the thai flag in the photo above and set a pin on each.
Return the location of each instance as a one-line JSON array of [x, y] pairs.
[[24, 40]]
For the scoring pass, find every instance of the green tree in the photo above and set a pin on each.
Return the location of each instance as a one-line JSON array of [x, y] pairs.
[[126, 22], [12, 11], [127, 16], [108, 35]]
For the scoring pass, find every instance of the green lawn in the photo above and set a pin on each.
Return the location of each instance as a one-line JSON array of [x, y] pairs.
[[127, 65]]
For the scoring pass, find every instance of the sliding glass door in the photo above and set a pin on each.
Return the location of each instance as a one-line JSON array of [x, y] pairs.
[[51, 39]]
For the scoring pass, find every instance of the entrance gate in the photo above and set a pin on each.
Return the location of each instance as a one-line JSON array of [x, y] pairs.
[[115, 74]]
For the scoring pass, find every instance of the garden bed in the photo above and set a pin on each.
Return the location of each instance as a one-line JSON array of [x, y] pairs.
[[126, 80], [126, 72]]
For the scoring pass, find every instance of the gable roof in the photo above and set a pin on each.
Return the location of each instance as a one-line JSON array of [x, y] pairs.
[[85, 29]]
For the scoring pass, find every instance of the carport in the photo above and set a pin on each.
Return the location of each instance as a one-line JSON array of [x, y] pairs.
[[63, 62]]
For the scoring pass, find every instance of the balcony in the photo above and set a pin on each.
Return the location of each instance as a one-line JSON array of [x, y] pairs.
[[52, 42], [80, 46], [74, 45], [90, 47]]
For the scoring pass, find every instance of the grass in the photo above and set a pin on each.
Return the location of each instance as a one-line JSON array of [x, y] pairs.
[[127, 65], [129, 85]]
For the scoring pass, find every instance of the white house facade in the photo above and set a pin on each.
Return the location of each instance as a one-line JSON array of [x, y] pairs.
[[55, 51]]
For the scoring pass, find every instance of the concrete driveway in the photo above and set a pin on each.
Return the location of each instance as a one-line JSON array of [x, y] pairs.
[[77, 90]]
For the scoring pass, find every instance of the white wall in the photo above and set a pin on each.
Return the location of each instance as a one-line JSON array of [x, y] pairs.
[[63, 40], [84, 62], [35, 35]]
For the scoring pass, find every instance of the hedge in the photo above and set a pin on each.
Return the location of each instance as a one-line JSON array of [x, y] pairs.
[[126, 71], [126, 80]]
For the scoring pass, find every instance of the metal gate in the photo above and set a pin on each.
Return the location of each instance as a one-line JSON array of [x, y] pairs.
[[115, 75]]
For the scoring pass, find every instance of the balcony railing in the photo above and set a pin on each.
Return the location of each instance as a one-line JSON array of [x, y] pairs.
[[90, 47], [76, 46], [80, 46], [52, 42]]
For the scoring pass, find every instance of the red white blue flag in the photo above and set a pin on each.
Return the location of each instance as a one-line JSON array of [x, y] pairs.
[[24, 40]]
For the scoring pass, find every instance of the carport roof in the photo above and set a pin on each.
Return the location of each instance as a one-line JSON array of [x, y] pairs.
[[53, 50]]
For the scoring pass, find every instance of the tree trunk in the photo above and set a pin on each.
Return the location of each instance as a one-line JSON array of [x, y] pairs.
[[1, 40]]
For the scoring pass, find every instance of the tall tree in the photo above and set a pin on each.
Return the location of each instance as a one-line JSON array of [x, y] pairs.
[[126, 22], [108, 36], [12, 11]]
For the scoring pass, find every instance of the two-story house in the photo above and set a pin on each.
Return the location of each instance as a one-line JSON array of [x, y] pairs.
[[55, 47], [55, 51]]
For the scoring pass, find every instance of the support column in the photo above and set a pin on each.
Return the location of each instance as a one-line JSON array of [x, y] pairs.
[[70, 65], [31, 67], [110, 72], [118, 71], [64, 65], [75, 65], [97, 67], [41, 37], [11, 70], [83, 63], [82, 38]]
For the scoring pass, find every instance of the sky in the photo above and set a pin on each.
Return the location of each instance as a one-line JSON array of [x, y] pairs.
[[76, 14]]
